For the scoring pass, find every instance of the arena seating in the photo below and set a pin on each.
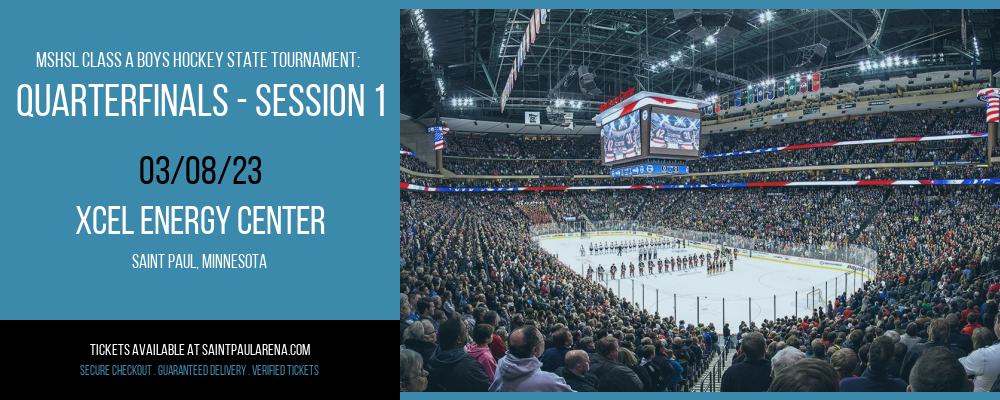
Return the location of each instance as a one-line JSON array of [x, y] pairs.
[[471, 253]]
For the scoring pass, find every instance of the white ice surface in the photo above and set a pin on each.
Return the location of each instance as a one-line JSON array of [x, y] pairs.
[[751, 291]]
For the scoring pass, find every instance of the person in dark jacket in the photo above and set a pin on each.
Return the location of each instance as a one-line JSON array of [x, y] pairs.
[[627, 358], [683, 356], [421, 338], [659, 370], [752, 375], [451, 368], [897, 359], [876, 376], [613, 376], [554, 358], [937, 370], [937, 336], [956, 337], [576, 372]]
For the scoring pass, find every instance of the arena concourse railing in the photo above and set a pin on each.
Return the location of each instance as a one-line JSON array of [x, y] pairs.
[[859, 263]]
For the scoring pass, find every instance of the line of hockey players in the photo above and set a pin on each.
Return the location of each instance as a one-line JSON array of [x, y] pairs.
[[645, 247], [679, 263]]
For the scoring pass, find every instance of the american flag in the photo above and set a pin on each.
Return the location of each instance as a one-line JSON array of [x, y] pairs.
[[438, 140]]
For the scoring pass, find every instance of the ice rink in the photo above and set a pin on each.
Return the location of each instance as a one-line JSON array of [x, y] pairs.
[[757, 289]]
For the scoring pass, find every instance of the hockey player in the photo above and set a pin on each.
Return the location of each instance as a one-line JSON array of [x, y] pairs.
[[650, 266], [614, 270], [592, 249], [600, 272], [654, 253], [623, 271], [641, 266], [631, 270], [582, 252], [590, 273], [730, 265], [620, 249]]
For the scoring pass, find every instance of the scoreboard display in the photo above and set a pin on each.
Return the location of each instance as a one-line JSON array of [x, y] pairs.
[[674, 132], [622, 138], [647, 127]]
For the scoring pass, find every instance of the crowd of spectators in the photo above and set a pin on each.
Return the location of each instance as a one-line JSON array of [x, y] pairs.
[[926, 173], [524, 167], [482, 307], [519, 148], [413, 163]]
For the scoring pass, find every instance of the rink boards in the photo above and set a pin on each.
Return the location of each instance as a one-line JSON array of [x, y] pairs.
[[862, 271]]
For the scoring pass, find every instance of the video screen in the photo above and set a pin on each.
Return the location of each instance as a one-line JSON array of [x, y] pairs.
[[622, 138], [674, 132]]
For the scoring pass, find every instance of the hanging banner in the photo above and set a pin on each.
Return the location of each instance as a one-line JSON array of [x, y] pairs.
[[725, 102], [760, 94], [532, 118], [781, 89], [750, 96], [716, 108], [816, 82], [792, 87], [770, 91], [537, 22], [545, 15], [803, 87], [736, 100]]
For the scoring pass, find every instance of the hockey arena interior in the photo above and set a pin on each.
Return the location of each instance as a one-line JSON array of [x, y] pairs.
[[699, 200]]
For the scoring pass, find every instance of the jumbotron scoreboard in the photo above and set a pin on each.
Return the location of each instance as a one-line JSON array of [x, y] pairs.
[[648, 133]]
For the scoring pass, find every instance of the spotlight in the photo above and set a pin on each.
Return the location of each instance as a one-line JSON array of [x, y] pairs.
[[861, 64]]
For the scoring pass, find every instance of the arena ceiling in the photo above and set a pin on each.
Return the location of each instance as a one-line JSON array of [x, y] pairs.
[[654, 50]]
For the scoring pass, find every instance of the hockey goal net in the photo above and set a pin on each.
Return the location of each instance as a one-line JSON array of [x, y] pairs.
[[815, 299]]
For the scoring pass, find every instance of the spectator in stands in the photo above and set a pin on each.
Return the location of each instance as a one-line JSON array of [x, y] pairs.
[[613, 376], [658, 376], [677, 376], [911, 338], [937, 336], [984, 362], [421, 337], [556, 356], [956, 337], [844, 361], [404, 310], [784, 358], [576, 372], [752, 375], [627, 358], [876, 376], [451, 368], [425, 307], [497, 346], [412, 375], [479, 349], [808, 375], [937, 370], [520, 370], [897, 360]]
